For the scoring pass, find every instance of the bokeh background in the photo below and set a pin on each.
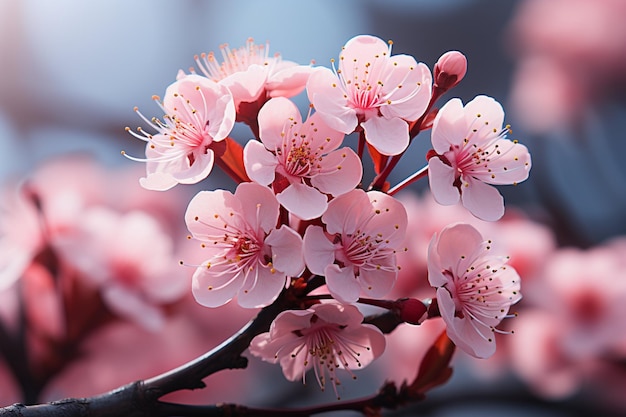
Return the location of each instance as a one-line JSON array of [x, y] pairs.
[[72, 71]]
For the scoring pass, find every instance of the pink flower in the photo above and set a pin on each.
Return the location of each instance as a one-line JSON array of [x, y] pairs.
[[474, 288], [247, 256], [325, 337], [373, 90], [198, 112], [130, 258], [472, 152], [357, 252], [249, 71], [302, 160]]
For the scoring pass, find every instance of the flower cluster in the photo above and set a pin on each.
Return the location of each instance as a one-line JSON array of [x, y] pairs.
[[302, 230]]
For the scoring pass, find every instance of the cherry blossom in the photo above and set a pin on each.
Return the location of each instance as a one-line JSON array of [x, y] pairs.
[[325, 337], [474, 288], [198, 112], [111, 250], [250, 71], [301, 159], [373, 90], [357, 252], [247, 256], [470, 152]]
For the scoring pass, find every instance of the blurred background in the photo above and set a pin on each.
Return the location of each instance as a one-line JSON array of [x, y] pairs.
[[71, 73]]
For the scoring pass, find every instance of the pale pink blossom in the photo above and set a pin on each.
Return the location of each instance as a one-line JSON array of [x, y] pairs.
[[198, 112], [130, 259], [325, 337], [250, 71], [475, 288], [357, 250], [300, 159], [470, 152], [247, 256], [372, 90]]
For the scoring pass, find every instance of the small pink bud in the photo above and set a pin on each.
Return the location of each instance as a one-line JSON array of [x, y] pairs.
[[450, 69], [411, 310]]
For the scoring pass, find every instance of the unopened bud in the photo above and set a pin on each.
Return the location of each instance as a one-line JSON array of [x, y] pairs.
[[411, 310], [450, 70]]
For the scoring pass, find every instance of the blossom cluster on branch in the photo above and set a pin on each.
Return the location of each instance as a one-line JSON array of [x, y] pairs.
[[301, 220], [304, 236]]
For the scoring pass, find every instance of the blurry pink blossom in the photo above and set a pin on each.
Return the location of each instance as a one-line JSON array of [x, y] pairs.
[[247, 256], [325, 337], [198, 112], [471, 152], [374, 90], [130, 259], [301, 159], [570, 54], [474, 288], [250, 71], [357, 252]]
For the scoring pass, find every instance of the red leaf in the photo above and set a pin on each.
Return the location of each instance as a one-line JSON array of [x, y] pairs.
[[435, 367]]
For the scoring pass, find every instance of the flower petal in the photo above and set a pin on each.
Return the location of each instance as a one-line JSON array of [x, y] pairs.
[[482, 200], [319, 252], [303, 201], [449, 126], [260, 164], [342, 283], [388, 136], [441, 181], [287, 254]]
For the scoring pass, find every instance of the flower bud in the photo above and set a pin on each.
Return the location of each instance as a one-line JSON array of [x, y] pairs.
[[411, 310], [450, 70]]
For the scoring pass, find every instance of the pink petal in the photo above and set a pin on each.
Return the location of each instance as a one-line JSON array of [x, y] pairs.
[[303, 201], [258, 205], [389, 220], [327, 96], [341, 172], [260, 164], [510, 164], [158, 181], [200, 169], [319, 252], [221, 114], [482, 200], [344, 212], [490, 111], [287, 254], [321, 136], [246, 85], [449, 126], [273, 118], [388, 136], [455, 241], [341, 314], [214, 286], [342, 284], [441, 180], [289, 81], [200, 215], [409, 74], [261, 288], [377, 283], [361, 50]]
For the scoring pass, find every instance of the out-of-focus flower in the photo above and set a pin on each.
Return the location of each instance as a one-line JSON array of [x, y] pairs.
[[471, 152], [373, 90], [357, 252], [295, 154], [475, 289], [569, 55], [249, 71], [247, 256], [130, 259], [325, 337], [198, 112]]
